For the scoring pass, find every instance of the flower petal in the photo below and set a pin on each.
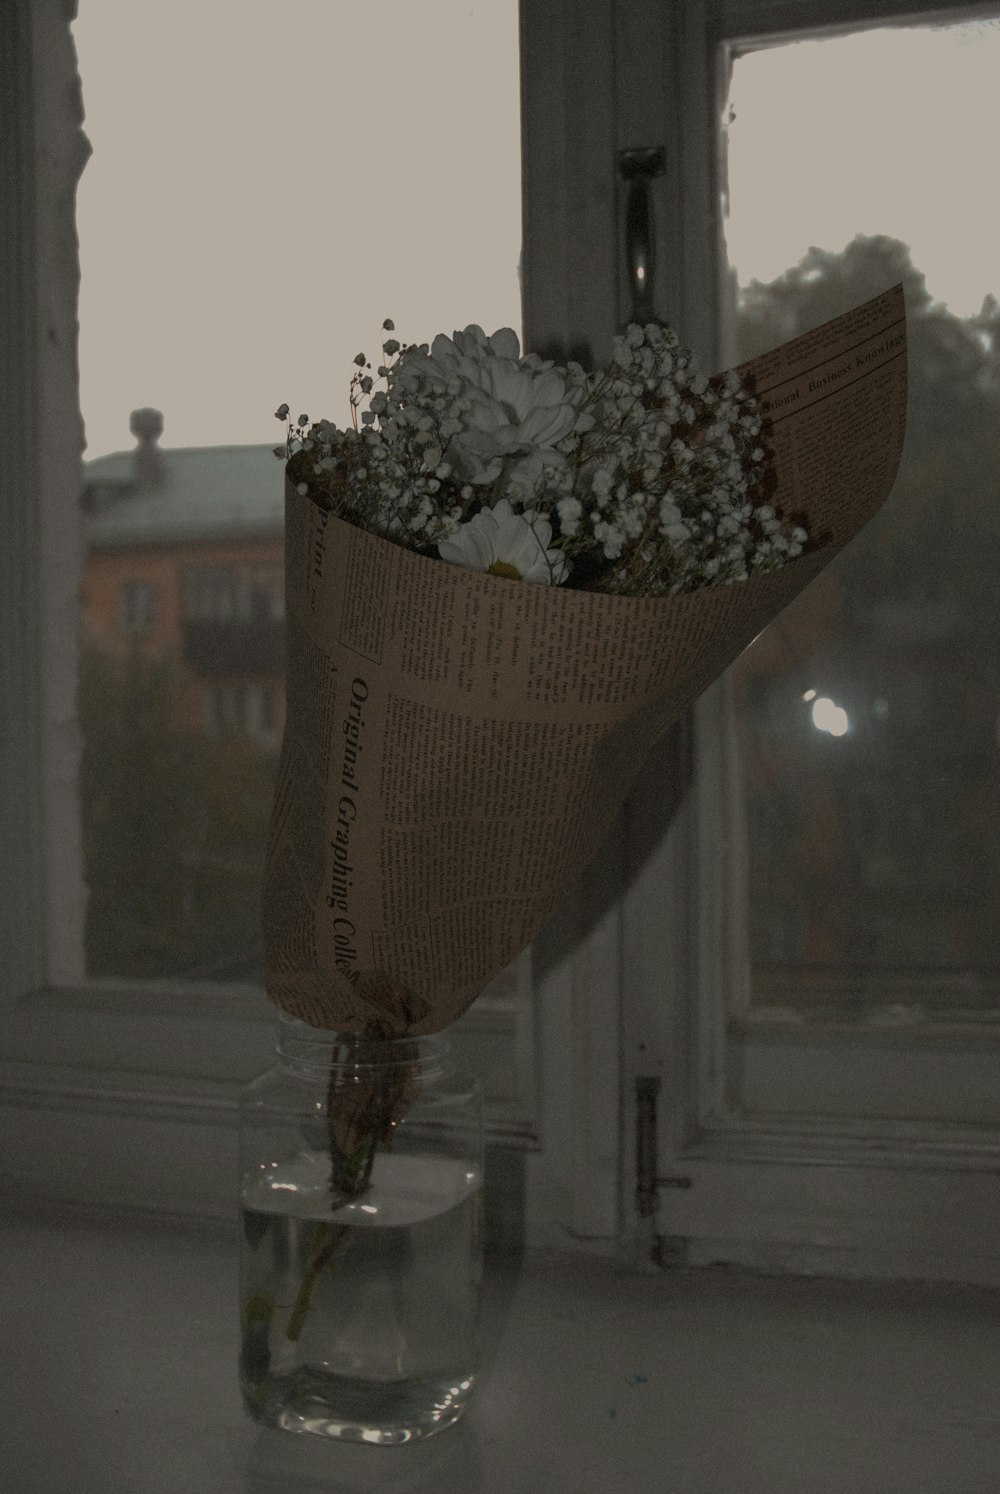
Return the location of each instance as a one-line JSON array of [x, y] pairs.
[[504, 344]]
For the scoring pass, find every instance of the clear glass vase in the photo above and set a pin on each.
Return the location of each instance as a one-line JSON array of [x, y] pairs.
[[361, 1236]]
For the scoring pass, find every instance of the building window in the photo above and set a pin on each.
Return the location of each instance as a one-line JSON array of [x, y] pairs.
[[137, 605], [242, 708], [230, 594], [265, 595], [210, 594], [259, 715], [223, 709]]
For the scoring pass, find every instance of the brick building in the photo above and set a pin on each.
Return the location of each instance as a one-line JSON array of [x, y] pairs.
[[185, 563]]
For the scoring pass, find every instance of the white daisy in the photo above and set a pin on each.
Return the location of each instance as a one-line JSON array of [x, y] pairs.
[[513, 409], [504, 543]]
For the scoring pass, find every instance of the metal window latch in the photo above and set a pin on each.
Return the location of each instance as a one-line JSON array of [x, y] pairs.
[[637, 167], [647, 1088]]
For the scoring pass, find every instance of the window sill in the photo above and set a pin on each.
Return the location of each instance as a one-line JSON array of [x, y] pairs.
[[593, 1378]]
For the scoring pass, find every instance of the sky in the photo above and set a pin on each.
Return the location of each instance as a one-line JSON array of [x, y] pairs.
[[885, 132], [261, 197]]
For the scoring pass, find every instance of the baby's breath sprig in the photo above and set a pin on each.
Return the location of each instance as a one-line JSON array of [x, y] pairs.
[[362, 382], [643, 478]]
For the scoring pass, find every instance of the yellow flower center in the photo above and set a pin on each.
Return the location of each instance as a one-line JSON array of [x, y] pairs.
[[501, 568]]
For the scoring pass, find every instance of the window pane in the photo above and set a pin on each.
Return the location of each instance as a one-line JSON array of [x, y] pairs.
[[868, 715], [265, 189]]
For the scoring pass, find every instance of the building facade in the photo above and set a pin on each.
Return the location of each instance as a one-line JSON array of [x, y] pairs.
[[185, 566]]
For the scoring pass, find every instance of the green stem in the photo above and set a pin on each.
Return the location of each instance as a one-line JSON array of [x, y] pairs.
[[500, 485], [332, 1234], [350, 1177]]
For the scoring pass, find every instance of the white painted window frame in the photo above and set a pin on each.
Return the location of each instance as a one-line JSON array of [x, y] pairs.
[[124, 1095]]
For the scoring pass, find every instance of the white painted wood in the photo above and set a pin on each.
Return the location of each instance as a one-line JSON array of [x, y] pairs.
[[940, 1073], [933, 1224], [162, 1137], [742, 21], [22, 877], [571, 224], [593, 1380], [43, 151], [573, 290], [574, 1180], [61, 151]]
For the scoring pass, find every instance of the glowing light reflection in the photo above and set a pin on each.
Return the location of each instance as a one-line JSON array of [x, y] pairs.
[[829, 717]]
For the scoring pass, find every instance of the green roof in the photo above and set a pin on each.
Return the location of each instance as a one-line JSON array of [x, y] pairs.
[[209, 492]]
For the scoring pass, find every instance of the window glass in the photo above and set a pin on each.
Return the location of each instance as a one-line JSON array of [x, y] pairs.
[[266, 187], [868, 715], [138, 604]]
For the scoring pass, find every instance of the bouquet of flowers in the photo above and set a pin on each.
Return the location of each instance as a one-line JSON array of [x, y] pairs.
[[643, 479], [503, 582]]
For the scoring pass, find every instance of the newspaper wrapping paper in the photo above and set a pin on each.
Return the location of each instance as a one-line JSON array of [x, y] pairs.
[[457, 744]]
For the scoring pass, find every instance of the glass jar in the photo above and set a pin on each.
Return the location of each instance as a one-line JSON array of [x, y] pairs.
[[361, 1236]]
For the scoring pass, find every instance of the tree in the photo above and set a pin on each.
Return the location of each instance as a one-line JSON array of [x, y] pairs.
[[884, 842], [174, 828]]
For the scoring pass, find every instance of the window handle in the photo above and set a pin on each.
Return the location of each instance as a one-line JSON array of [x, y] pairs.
[[637, 167]]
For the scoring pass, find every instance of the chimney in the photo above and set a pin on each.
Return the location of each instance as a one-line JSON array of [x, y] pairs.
[[147, 428]]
